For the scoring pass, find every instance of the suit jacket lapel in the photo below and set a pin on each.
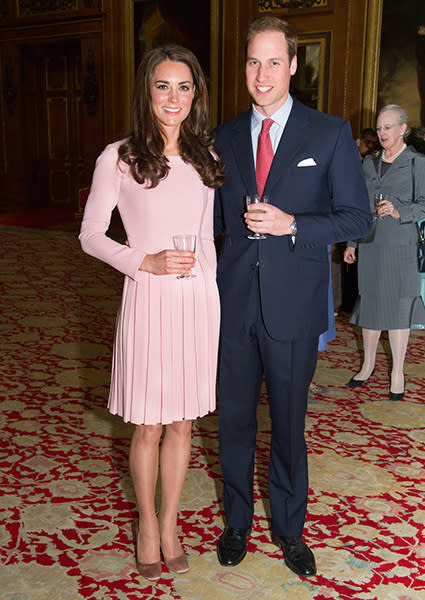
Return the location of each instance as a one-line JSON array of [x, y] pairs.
[[289, 142], [377, 161], [242, 149]]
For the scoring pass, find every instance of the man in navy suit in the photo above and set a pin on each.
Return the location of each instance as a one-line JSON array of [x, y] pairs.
[[274, 290]]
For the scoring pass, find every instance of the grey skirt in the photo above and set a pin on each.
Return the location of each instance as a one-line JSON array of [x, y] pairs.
[[389, 288]]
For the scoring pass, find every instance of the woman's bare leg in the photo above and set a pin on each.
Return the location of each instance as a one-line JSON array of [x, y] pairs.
[[174, 460], [143, 459]]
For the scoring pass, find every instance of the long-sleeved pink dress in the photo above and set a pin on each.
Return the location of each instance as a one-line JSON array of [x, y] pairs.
[[166, 337]]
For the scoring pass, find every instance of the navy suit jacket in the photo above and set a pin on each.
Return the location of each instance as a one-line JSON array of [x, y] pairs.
[[330, 204]]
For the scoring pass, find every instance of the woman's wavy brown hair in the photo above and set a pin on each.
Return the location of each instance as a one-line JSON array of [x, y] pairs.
[[143, 150]]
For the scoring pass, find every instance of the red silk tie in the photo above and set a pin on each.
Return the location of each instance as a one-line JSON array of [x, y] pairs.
[[264, 155]]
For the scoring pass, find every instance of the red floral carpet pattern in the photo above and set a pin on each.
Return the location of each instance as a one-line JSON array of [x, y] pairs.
[[67, 501]]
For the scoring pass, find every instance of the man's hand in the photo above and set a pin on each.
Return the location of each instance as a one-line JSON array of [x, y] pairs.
[[270, 220]]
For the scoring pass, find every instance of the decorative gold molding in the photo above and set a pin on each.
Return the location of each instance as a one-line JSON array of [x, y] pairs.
[[270, 5], [215, 27], [28, 7], [372, 45], [347, 60], [128, 43]]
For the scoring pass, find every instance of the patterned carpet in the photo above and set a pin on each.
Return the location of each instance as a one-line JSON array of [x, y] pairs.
[[67, 501]]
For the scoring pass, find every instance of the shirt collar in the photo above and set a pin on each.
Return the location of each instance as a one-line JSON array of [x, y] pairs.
[[280, 116]]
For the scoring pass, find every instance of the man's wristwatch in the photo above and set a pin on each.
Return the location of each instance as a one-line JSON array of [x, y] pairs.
[[293, 227]]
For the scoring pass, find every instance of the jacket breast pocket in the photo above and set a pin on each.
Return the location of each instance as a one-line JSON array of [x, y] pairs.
[[309, 175], [305, 186]]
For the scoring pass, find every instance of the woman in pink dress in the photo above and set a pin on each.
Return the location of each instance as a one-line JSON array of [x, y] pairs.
[[162, 180]]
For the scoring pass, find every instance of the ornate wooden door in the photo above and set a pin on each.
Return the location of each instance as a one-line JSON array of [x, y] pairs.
[[63, 114], [52, 101]]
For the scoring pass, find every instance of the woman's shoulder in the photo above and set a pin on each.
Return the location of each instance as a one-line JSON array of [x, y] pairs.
[[411, 152], [371, 162], [110, 154], [113, 147]]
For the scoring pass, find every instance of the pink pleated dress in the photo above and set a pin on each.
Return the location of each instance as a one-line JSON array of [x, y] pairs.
[[166, 337]]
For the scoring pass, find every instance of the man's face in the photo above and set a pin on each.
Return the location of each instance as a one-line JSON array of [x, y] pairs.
[[268, 71], [367, 145]]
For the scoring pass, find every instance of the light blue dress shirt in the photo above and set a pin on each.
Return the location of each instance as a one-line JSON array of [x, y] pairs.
[[280, 118]]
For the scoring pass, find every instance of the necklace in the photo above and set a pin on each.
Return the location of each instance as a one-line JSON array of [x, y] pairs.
[[394, 156]]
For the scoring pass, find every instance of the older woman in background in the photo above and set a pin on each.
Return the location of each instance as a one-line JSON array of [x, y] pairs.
[[417, 140], [389, 281]]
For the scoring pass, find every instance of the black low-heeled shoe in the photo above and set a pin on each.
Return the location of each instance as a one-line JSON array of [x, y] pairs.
[[358, 382], [399, 395]]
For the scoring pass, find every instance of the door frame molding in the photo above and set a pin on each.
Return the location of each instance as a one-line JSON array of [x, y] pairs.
[[372, 46]]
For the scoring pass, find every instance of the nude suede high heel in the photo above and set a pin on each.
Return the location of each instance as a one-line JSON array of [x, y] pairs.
[[177, 565], [150, 571]]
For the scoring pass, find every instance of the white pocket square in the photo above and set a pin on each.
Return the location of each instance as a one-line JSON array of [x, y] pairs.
[[307, 162]]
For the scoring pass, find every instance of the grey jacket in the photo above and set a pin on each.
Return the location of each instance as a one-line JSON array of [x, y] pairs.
[[397, 186]]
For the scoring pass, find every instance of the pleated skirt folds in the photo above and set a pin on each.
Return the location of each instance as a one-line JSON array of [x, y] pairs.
[[165, 349], [389, 288]]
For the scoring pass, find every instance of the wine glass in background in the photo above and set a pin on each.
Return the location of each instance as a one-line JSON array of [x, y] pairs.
[[256, 200], [185, 241]]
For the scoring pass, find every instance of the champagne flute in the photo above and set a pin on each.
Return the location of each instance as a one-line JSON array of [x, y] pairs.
[[256, 199], [378, 197], [185, 241]]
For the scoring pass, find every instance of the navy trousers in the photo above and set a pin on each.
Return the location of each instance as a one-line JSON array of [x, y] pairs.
[[288, 367]]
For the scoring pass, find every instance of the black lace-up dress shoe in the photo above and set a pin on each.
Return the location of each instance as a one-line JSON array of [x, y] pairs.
[[231, 547], [298, 556]]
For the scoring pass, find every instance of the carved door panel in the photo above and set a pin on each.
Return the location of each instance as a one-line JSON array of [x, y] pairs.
[[62, 162], [66, 131]]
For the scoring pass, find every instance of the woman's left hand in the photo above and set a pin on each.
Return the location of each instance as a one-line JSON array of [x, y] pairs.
[[387, 208]]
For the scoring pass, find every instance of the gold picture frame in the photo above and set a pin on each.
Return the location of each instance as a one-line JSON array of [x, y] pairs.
[[310, 84]]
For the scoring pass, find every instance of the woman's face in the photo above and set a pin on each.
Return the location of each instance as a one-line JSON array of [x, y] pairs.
[[390, 132], [172, 93]]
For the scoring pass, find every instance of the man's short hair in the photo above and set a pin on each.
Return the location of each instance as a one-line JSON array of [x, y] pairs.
[[367, 131], [270, 23]]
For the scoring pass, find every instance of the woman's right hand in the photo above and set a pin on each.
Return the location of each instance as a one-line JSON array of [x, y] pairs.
[[350, 255], [169, 262]]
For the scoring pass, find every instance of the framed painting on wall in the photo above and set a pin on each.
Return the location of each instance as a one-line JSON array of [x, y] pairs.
[[311, 81], [394, 70], [402, 58]]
